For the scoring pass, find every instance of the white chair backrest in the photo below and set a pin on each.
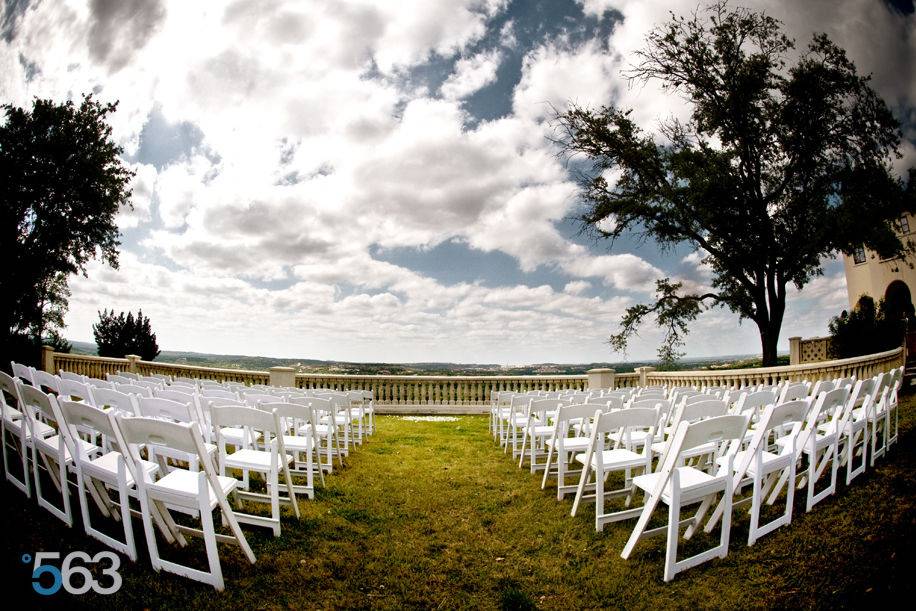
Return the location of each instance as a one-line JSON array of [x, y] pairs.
[[752, 404], [23, 372], [38, 403], [74, 390], [174, 395], [117, 379], [45, 380], [822, 386], [253, 399], [99, 383], [166, 409], [829, 408], [793, 392], [218, 393], [133, 389], [8, 387], [156, 432], [69, 375], [115, 400]]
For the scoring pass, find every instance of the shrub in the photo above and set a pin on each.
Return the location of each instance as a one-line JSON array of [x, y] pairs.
[[865, 330], [122, 334]]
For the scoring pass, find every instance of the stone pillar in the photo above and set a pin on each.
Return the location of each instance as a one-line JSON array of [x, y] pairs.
[[283, 376], [132, 360], [795, 351], [643, 374], [47, 360], [600, 378]]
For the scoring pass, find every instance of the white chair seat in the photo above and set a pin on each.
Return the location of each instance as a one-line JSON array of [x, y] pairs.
[[614, 459], [235, 435], [107, 465], [693, 484], [256, 460], [320, 429], [43, 430], [820, 440], [659, 447], [50, 446], [297, 443], [181, 483], [770, 460], [541, 430], [572, 444], [11, 414]]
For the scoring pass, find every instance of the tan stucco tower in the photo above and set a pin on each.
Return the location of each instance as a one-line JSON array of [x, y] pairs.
[[866, 274]]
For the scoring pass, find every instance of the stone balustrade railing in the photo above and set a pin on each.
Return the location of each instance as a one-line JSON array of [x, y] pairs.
[[97, 367], [859, 366], [439, 390], [475, 390]]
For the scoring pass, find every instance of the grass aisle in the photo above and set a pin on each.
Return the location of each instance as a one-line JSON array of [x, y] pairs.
[[432, 515]]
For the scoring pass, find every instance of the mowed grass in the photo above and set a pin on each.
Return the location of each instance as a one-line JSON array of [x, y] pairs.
[[434, 515]]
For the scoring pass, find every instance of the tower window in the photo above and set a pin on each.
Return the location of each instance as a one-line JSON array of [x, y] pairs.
[[858, 255]]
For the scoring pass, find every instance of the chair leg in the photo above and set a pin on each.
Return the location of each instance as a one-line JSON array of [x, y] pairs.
[[674, 520], [209, 533]]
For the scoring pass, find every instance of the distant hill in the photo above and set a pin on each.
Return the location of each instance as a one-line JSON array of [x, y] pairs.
[[262, 363]]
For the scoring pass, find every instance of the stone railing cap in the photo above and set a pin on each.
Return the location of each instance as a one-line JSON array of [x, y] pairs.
[[601, 370]]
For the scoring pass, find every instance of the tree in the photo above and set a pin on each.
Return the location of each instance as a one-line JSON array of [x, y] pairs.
[[777, 168], [122, 334], [865, 330], [62, 182]]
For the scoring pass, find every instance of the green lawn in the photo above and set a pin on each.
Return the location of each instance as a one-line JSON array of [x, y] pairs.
[[432, 514]]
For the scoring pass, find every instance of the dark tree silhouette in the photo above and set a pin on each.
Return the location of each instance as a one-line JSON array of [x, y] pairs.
[[777, 168], [123, 334], [866, 330], [62, 182]]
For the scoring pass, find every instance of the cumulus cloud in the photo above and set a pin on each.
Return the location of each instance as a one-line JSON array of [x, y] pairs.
[[471, 74], [117, 28], [286, 144]]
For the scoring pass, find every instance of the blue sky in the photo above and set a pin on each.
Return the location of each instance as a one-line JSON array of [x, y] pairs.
[[375, 181]]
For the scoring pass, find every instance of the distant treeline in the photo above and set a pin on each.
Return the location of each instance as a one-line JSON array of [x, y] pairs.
[[260, 363]]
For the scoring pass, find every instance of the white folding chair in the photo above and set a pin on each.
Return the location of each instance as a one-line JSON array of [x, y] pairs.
[[537, 429], [762, 463], [680, 486], [321, 428], [293, 417], [16, 424], [818, 442], [569, 435], [55, 452], [601, 462], [111, 469], [196, 492], [269, 461]]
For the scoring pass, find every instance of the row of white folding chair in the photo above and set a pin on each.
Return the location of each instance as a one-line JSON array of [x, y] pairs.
[[600, 460], [674, 483], [109, 468]]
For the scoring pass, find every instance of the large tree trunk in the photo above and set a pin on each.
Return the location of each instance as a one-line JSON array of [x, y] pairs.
[[770, 328], [768, 340]]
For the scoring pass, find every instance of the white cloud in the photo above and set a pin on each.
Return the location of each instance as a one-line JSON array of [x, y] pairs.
[[471, 75], [317, 149]]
